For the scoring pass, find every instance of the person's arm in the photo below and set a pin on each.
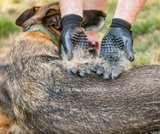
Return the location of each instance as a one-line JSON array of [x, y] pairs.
[[128, 9], [118, 42], [71, 14], [71, 7], [73, 34]]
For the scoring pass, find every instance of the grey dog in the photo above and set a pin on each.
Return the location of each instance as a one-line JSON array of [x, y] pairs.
[[39, 95]]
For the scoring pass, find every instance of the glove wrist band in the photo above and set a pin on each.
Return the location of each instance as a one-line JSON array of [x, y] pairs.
[[71, 19], [117, 22]]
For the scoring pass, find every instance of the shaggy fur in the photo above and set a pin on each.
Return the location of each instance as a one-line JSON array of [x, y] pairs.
[[39, 96]]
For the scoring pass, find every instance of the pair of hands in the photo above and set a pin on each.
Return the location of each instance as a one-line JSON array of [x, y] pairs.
[[116, 46]]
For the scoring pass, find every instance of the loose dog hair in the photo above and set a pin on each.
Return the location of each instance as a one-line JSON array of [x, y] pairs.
[[38, 95]]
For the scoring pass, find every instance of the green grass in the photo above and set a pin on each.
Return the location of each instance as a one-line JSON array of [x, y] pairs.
[[146, 22], [146, 32], [2, 43], [147, 51], [7, 26], [8, 29], [50, 1], [156, 133], [146, 29]]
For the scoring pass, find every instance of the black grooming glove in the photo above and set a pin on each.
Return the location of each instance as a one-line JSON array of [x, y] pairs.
[[116, 45], [120, 30], [72, 34], [74, 45]]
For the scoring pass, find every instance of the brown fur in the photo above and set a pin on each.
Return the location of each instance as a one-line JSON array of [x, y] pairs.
[[40, 96], [4, 121]]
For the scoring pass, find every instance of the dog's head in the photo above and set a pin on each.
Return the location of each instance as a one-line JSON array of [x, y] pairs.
[[49, 15]]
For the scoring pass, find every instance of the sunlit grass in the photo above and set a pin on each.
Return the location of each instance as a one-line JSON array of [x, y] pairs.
[[146, 29], [146, 32], [147, 51], [7, 26]]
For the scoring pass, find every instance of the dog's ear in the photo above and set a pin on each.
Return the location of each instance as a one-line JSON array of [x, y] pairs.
[[52, 17], [93, 20], [26, 15]]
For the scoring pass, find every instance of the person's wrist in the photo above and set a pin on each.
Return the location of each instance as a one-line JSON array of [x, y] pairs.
[[125, 25], [71, 19]]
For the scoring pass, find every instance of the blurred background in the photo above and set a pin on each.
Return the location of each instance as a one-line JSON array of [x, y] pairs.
[[146, 29]]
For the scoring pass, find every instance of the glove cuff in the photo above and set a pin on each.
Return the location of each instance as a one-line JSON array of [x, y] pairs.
[[71, 19], [117, 22]]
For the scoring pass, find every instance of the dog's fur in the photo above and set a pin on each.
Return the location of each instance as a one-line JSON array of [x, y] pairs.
[[39, 95]]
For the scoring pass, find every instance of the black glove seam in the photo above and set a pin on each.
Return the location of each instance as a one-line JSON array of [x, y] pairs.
[[71, 19], [126, 26]]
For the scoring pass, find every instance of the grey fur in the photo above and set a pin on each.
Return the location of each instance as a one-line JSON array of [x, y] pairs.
[[40, 96]]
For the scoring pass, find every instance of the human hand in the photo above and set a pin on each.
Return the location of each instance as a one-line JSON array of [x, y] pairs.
[[74, 46], [71, 24], [116, 45], [80, 62]]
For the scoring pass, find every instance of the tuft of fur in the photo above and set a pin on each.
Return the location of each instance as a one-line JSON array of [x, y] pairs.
[[80, 59], [38, 95]]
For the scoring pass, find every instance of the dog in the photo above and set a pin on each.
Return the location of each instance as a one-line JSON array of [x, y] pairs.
[[38, 95]]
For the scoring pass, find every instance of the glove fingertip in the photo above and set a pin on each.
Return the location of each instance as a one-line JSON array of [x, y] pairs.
[[80, 73], [73, 70], [106, 77], [130, 57], [98, 72], [70, 56], [88, 71], [115, 76]]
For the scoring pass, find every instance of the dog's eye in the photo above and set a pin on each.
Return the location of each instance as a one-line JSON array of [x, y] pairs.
[[56, 26]]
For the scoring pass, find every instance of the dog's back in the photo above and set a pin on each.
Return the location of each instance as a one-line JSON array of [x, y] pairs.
[[19, 71], [38, 94]]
